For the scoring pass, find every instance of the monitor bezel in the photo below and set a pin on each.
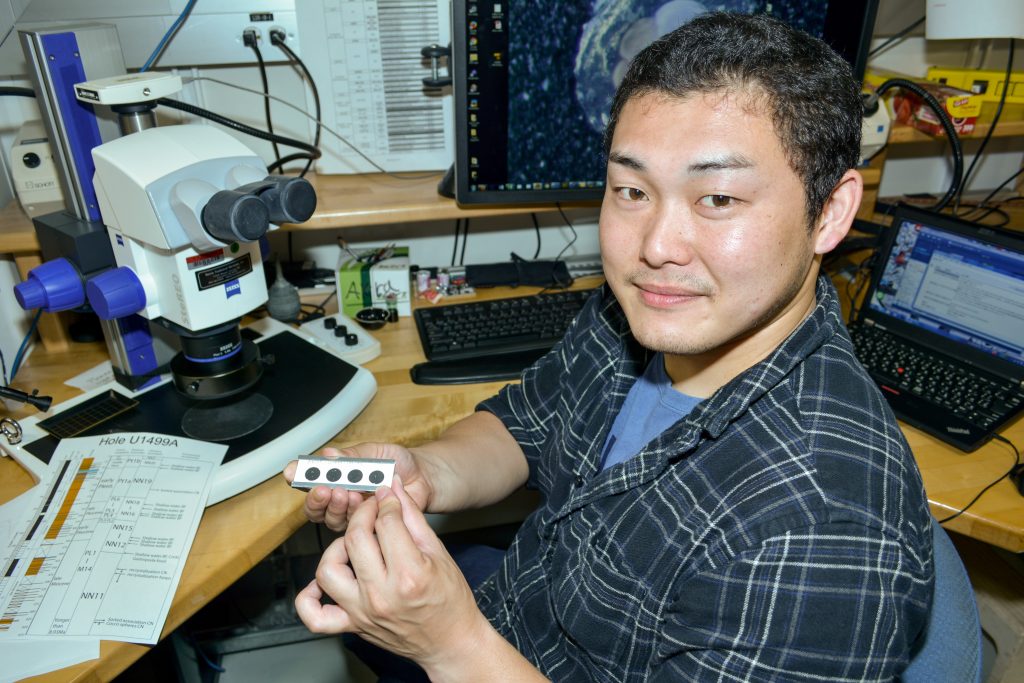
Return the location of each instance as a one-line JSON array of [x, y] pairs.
[[848, 28]]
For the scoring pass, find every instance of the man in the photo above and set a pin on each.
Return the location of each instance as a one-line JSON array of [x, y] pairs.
[[726, 496]]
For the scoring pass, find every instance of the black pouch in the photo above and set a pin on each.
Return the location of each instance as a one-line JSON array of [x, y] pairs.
[[519, 271]]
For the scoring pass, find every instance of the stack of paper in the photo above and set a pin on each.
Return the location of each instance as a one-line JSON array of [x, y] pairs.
[[96, 549]]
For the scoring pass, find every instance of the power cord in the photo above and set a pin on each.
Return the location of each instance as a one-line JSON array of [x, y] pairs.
[[897, 37], [240, 127], [991, 130], [336, 134], [536, 228], [249, 38], [1014, 473], [871, 102], [165, 41], [277, 38]]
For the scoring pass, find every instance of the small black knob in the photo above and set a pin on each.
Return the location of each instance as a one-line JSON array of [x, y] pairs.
[[351, 339], [31, 159]]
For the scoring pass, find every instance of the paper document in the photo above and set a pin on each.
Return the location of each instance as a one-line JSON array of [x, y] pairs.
[[100, 553], [365, 58]]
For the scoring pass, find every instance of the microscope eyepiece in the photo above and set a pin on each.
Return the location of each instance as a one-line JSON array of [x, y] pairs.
[[234, 216]]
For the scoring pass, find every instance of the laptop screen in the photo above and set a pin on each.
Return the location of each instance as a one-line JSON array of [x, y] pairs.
[[960, 287]]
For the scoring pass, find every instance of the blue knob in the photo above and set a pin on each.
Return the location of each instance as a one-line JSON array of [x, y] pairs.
[[116, 293], [53, 286]]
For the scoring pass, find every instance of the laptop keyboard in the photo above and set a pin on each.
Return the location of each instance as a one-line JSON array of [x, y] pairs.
[[975, 396]]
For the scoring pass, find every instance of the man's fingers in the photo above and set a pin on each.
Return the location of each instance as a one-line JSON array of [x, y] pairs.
[[315, 505], [396, 543], [361, 543], [414, 519], [317, 617], [289, 471]]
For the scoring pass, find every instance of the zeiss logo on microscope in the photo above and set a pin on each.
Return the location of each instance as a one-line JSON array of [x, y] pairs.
[[232, 288]]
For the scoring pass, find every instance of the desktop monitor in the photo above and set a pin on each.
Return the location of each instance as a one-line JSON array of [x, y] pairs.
[[533, 83]]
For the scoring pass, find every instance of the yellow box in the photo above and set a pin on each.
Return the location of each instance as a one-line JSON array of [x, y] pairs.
[[907, 107], [986, 84]]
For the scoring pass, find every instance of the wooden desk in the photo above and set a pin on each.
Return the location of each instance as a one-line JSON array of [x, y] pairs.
[[236, 534]]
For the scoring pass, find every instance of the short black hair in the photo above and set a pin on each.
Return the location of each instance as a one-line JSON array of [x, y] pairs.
[[809, 91]]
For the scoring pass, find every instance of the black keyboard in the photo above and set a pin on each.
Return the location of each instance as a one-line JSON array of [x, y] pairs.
[[979, 398], [483, 341]]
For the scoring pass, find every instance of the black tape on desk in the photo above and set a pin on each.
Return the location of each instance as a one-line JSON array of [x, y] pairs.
[[303, 379], [519, 272]]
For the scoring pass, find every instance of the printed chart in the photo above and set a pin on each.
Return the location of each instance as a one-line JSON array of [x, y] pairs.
[[100, 554]]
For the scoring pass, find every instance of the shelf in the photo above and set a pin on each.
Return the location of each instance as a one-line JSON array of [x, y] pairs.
[[355, 201], [343, 201], [901, 133]]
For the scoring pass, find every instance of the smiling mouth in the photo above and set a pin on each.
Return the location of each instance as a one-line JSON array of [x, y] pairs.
[[667, 296]]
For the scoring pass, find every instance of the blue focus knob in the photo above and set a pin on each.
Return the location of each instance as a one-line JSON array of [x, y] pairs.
[[53, 286], [116, 293]]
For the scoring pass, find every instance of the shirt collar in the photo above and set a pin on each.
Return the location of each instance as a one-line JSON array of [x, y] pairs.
[[730, 401]]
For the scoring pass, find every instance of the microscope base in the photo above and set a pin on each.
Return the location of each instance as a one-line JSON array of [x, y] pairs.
[[314, 394]]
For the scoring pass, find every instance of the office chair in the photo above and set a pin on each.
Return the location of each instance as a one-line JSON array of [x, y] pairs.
[[950, 650]]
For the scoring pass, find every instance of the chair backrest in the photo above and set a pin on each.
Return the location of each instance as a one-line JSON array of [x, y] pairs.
[[951, 649]]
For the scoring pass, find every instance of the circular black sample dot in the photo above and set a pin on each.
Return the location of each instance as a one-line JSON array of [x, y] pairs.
[[355, 475], [376, 477], [333, 474], [312, 474]]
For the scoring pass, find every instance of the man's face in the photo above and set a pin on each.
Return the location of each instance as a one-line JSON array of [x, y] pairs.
[[703, 227]]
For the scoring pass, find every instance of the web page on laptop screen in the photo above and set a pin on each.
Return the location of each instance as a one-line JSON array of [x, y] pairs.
[[963, 289]]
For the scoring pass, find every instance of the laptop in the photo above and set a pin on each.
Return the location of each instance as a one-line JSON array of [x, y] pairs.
[[941, 327]]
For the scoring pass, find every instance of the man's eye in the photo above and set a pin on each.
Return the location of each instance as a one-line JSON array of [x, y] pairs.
[[631, 194], [715, 201]]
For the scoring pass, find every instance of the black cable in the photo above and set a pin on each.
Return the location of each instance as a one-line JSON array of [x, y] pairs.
[[573, 229], [465, 239], [266, 91], [287, 159], [1009, 472], [455, 245], [947, 126], [991, 130], [240, 127], [17, 92], [896, 37], [536, 227], [1003, 184], [275, 39]]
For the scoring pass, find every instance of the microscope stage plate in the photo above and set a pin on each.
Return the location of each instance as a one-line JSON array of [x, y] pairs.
[[314, 393]]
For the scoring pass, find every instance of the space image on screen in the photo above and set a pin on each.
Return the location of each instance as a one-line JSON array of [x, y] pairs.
[[533, 83]]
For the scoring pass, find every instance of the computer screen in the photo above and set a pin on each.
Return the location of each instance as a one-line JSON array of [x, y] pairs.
[[955, 285], [533, 83]]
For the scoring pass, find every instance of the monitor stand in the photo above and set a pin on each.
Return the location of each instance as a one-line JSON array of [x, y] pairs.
[[313, 395], [446, 186]]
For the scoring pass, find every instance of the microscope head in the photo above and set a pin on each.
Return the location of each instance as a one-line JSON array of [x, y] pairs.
[[185, 208]]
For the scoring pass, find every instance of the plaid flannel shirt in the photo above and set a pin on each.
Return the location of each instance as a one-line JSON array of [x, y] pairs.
[[780, 532]]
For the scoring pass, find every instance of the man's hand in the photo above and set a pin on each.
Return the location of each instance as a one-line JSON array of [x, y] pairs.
[[395, 585], [335, 507]]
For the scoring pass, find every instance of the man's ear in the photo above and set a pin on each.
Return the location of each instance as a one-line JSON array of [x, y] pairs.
[[839, 211]]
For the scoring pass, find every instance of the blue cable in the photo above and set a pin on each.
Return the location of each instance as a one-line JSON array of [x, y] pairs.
[[24, 344], [167, 36]]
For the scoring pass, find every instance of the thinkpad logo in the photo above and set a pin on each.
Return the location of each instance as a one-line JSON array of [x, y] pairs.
[[957, 430]]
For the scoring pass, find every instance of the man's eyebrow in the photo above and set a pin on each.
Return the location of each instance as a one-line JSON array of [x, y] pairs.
[[627, 161], [724, 163]]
